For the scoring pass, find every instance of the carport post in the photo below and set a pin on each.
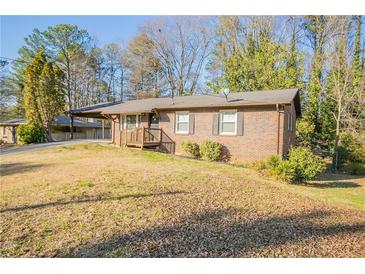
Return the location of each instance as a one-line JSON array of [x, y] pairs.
[[102, 128]]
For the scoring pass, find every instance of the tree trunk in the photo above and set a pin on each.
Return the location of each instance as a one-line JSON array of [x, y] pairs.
[[71, 127], [155, 85], [49, 131], [69, 100], [121, 86], [335, 160]]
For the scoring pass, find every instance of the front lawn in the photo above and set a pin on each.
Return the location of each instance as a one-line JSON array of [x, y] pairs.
[[101, 201], [338, 189]]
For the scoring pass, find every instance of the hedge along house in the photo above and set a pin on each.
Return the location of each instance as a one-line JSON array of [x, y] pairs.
[[250, 125], [60, 129]]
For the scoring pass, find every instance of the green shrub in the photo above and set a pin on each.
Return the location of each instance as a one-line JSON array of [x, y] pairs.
[[343, 155], [272, 161], [30, 133], [305, 133], [285, 170], [258, 165], [304, 163], [191, 148], [350, 150], [210, 150], [301, 165], [355, 168]]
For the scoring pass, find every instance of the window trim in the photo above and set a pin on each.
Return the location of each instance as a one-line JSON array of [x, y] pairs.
[[124, 120], [176, 122], [220, 123], [290, 122]]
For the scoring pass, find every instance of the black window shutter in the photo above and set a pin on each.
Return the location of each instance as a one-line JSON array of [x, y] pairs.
[[215, 125], [240, 123], [191, 123]]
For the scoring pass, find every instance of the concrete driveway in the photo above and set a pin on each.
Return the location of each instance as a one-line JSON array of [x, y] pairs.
[[35, 147]]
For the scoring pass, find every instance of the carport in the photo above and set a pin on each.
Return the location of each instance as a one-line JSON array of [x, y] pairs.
[[93, 111]]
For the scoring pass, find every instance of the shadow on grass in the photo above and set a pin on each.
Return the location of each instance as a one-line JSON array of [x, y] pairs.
[[220, 233], [335, 177], [332, 185], [89, 200], [15, 168]]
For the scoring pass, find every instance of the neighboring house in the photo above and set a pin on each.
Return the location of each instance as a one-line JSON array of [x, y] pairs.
[[250, 125], [60, 129], [8, 130]]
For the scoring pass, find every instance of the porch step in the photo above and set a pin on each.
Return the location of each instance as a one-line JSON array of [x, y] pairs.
[[146, 145], [151, 148]]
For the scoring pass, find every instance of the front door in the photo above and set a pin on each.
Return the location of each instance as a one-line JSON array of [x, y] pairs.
[[153, 121]]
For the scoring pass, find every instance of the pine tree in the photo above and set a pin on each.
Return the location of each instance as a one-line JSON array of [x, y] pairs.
[[263, 64], [327, 109], [43, 93], [31, 92], [294, 60], [315, 28]]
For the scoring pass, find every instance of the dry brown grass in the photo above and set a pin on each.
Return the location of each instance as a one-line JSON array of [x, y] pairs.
[[95, 201]]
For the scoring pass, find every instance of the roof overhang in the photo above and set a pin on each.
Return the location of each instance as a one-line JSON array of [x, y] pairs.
[[91, 114], [13, 123], [10, 124], [298, 108], [93, 111]]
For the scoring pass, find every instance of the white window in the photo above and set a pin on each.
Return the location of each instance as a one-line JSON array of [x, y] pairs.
[[182, 122], [290, 122], [228, 122], [130, 121]]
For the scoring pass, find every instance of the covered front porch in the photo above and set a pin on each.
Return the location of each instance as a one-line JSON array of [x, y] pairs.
[[141, 130], [142, 137], [137, 127]]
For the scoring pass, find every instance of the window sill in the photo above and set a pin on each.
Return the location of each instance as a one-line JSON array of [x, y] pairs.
[[227, 134]]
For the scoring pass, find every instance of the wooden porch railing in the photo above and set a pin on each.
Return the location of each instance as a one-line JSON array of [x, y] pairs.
[[142, 136]]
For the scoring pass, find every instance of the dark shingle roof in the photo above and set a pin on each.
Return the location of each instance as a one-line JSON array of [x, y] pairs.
[[13, 122], [93, 110], [254, 98]]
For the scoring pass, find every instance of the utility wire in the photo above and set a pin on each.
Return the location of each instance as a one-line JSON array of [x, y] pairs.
[[15, 60]]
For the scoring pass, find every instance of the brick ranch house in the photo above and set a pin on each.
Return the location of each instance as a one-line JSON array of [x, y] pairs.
[[250, 125]]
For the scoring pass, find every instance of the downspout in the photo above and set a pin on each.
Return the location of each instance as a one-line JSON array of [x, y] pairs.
[[102, 126], [278, 132]]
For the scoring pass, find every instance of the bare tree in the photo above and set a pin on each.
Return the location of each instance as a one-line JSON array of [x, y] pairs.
[[123, 75], [144, 68], [182, 46], [349, 105], [112, 53]]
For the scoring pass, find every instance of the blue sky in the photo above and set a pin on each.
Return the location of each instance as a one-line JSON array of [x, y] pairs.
[[106, 29]]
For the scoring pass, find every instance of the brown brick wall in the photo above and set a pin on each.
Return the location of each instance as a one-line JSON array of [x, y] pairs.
[[260, 131], [289, 134]]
